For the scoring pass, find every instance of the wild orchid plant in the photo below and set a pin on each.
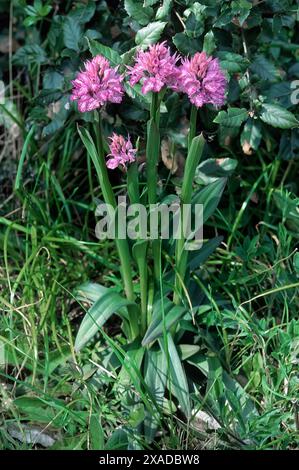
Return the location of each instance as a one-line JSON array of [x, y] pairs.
[[159, 309]]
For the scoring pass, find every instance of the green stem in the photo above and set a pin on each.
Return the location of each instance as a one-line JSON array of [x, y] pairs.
[[152, 159], [181, 255], [152, 150], [192, 129], [140, 247], [121, 244]]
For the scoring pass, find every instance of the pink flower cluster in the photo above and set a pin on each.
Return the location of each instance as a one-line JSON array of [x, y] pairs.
[[122, 152], [202, 79], [97, 85], [155, 68]]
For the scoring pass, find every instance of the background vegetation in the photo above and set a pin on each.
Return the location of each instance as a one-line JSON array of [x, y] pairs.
[[246, 329]]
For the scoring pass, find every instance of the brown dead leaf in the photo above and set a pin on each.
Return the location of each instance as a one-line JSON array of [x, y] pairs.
[[175, 163], [4, 45], [247, 149]]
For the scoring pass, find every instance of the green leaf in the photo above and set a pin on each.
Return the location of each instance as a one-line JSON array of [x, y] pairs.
[[83, 12], [56, 358], [96, 48], [72, 33], [194, 26], [213, 168], [110, 303], [209, 197], [264, 68], [156, 327], [251, 135], [185, 44], [150, 34], [233, 117], [90, 291], [130, 371], [164, 10], [53, 80], [179, 385], [96, 433], [276, 116], [138, 12], [233, 63], [196, 260], [27, 55], [155, 379], [209, 44], [289, 144], [187, 350], [193, 159]]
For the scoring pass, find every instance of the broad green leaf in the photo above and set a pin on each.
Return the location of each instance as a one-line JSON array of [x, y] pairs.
[[164, 10], [110, 303], [233, 117], [264, 68], [187, 350], [155, 378], [289, 145], [27, 55], [213, 168], [53, 79], [185, 44], [276, 116], [96, 433], [251, 136], [90, 291], [209, 197], [130, 371], [136, 94], [118, 440], [72, 33], [56, 358], [209, 44], [150, 34], [196, 259], [193, 159], [138, 11], [96, 48], [83, 12], [156, 328], [194, 27], [179, 384], [233, 63]]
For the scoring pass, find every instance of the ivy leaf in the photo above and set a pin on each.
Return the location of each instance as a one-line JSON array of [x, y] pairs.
[[72, 33], [138, 12], [233, 117], [150, 34], [276, 116]]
